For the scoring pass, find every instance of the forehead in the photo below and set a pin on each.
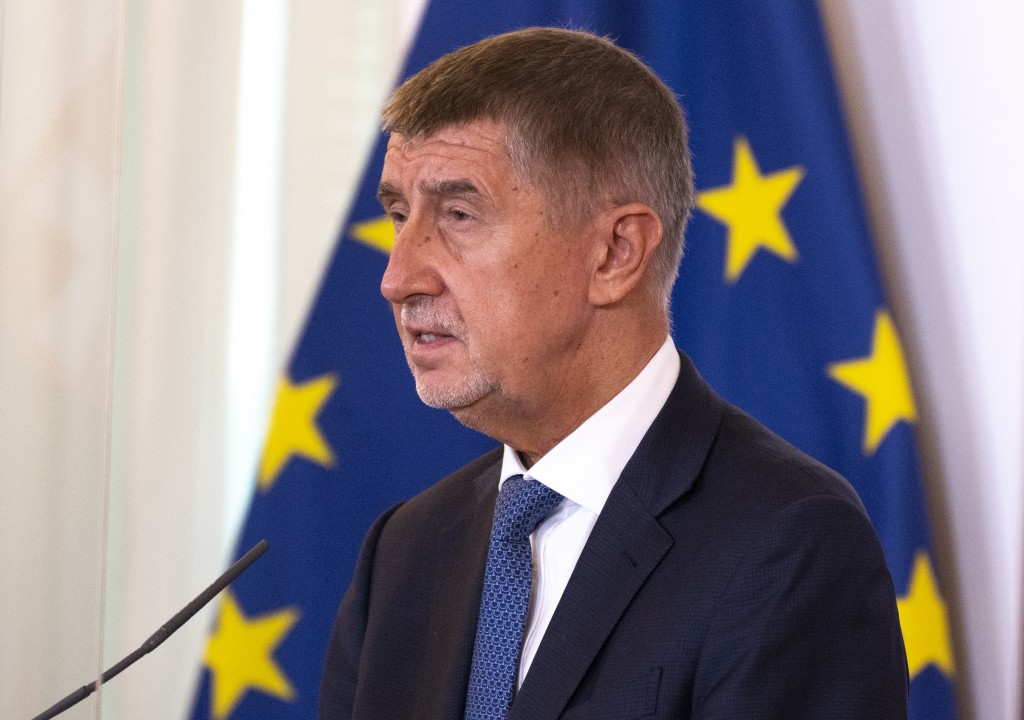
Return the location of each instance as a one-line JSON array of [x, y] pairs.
[[476, 148]]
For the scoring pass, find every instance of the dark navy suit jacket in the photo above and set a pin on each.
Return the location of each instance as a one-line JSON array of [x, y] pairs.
[[728, 576]]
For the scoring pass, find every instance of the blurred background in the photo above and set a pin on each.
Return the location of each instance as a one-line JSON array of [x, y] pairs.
[[172, 179]]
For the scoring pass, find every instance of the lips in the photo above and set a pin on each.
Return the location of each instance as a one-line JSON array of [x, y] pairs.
[[428, 333], [428, 349], [428, 324], [427, 344], [431, 338]]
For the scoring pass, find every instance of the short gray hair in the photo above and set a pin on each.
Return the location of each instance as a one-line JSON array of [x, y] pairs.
[[588, 124]]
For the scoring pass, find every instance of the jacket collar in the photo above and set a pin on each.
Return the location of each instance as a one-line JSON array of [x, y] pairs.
[[626, 545]]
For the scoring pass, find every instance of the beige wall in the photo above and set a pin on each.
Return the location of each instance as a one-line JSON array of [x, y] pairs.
[[932, 91], [118, 289], [121, 295], [57, 223]]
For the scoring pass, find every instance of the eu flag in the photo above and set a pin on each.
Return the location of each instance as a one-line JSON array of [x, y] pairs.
[[778, 303]]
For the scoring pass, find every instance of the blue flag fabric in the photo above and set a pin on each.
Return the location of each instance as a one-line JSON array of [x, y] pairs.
[[778, 303]]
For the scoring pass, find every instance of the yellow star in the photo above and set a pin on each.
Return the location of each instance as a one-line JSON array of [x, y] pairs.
[[378, 233], [923, 619], [881, 378], [751, 208], [240, 656], [293, 429]]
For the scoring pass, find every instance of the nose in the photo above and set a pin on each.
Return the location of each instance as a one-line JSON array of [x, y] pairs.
[[411, 268]]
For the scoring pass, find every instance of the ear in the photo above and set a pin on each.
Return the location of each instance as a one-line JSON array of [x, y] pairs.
[[627, 238]]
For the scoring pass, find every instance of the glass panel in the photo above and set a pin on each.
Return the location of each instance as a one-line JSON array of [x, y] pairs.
[[119, 142], [57, 182]]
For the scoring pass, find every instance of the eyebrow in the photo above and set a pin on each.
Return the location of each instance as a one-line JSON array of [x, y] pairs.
[[386, 190], [460, 186]]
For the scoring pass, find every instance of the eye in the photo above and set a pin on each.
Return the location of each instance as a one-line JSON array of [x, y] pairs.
[[397, 217], [460, 215]]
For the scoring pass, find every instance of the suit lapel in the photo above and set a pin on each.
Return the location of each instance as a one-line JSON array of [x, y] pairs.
[[626, 545], [461, 553], [624, 548]]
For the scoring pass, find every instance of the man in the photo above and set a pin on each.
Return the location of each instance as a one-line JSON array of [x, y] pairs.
[[674, 558]]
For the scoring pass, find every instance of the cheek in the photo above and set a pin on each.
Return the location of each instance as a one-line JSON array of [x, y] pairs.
[[495, 317], [543, 276], [532, 315], [517, 299], [557, 287]]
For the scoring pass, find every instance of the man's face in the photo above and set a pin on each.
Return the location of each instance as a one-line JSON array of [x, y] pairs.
[[490, 299]]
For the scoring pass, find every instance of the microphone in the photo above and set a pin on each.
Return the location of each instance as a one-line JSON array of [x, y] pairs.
[[163, 633]]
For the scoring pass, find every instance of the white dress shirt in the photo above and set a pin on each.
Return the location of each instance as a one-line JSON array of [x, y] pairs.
[[583, 468]]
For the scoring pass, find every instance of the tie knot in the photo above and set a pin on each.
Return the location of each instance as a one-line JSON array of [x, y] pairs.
[[522, 505]]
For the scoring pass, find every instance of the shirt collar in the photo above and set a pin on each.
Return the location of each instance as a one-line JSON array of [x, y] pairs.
[[585, 465]]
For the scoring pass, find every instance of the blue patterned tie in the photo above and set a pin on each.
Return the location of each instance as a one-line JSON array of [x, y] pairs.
[[522, 505]]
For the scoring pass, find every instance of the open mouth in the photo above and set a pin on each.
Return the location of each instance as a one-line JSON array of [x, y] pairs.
[[431, 338], [428, 327]]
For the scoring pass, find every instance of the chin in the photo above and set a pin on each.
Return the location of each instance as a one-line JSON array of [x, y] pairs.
[[477, 416], [454, 396]]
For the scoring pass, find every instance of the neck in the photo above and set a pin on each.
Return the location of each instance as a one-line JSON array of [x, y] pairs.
[[601, 371]]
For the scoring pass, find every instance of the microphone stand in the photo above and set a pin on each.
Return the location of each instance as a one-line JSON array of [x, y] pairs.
[[163, 633]]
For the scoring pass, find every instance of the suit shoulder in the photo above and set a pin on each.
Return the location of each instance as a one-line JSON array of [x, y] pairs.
[[761, 464], [464, 487]]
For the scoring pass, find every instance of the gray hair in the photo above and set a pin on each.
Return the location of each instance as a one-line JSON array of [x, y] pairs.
[[588, 124]]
